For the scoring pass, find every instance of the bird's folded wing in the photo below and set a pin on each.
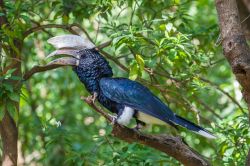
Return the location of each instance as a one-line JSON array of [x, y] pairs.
[[135, 95]]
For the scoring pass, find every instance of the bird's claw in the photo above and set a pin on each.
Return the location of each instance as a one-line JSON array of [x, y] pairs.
[[92, 98], [138, 127], [114, 118]]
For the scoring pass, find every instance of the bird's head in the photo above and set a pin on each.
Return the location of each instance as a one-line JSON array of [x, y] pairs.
[[73, 50], [69, 50]]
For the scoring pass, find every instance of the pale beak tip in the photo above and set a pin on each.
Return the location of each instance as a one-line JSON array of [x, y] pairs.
[[51, 54]]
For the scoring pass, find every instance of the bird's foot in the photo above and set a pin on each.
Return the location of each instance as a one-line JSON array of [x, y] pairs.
[[92, 98], [139, 126], [114, 118], [137, 130]]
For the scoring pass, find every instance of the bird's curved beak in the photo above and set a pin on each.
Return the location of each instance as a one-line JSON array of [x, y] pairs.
[[68, 47], [71, 57]]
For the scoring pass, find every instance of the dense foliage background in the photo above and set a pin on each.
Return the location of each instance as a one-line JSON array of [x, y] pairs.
[[168, 45]]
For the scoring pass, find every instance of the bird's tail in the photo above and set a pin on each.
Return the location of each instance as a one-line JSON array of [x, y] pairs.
[[193, 127]]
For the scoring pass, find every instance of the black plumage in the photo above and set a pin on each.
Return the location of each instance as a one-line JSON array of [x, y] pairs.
[[116, 93]]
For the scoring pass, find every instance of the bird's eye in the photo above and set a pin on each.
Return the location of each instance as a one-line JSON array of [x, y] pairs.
[[82, 55]]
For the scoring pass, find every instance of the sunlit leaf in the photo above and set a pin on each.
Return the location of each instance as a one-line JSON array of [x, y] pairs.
[[133, 71], [140, 62]]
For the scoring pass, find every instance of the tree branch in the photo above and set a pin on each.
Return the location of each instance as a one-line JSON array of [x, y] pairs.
[[172, 146], [42, 27], [38, 69]]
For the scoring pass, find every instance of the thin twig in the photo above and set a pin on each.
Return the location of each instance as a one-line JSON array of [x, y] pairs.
[[42, 27], [116, 61], [83, 30], [103, 45], [224, 92], [207, 107]]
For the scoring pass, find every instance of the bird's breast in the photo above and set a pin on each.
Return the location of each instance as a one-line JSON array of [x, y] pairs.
[[126, 116]]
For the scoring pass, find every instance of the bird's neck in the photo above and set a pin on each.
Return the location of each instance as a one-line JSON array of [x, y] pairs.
[[91, 75], [91, 80]]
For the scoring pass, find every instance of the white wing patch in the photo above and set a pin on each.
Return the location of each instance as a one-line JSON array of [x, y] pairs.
[[126, 116]]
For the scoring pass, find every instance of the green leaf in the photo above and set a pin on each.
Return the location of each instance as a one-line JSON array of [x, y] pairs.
[[14, 96], [9, 73], [12, 111], [133, 71], [65, 19], [172, 54], [16, 78], [8, 87], [25, 18], [140, 61]]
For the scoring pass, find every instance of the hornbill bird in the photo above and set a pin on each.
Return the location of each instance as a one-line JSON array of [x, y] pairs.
[[126, 98]]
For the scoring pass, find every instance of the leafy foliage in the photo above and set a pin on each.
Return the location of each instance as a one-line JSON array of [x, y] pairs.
[[167, 45]]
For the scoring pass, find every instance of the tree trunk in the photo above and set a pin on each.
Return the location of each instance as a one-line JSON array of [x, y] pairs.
[[9, 135], [234, 44], [244, 11], [235, 47], [8, 128]]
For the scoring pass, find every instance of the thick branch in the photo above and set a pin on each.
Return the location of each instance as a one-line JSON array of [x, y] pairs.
[[38, 69], [172, 146]]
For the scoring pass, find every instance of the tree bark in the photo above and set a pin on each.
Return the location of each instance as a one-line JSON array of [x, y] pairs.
[[248, 159], [234, 44], [9, 128], [9, 135], [235, 47]]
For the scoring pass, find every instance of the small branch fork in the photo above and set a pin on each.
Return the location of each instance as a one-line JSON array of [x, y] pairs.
[[172, 146]]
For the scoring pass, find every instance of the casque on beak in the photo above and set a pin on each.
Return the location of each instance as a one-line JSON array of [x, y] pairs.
[[68, 45]]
